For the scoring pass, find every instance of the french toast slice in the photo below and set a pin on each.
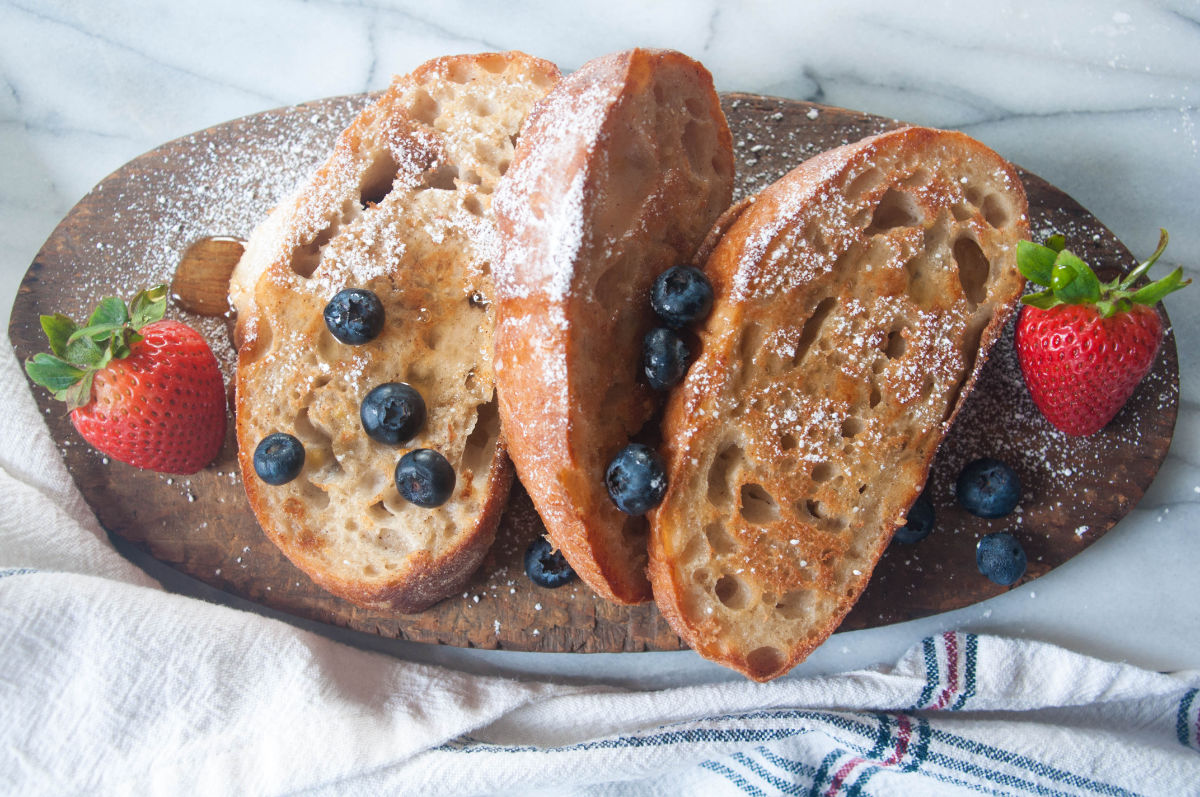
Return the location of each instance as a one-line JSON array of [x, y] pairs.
[[618, 175], [856, 301], [402, 208]]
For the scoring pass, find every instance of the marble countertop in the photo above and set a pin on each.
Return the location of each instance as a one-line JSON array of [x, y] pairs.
[[1099, 98]]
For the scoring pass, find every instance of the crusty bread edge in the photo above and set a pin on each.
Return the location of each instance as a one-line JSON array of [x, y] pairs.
[[280, 219], [740, 221], [425, 580], [565, 527], [568, 527]]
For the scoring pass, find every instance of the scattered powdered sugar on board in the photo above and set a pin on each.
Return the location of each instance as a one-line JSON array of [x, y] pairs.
[[771, 144], [204, 186]]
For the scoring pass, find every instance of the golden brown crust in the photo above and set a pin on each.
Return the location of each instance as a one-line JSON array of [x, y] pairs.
[[856, 301], [618, 175], [426, 579], [403, 208]]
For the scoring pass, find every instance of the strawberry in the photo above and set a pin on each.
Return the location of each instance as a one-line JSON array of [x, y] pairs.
[[140, 389], [1085, 345]]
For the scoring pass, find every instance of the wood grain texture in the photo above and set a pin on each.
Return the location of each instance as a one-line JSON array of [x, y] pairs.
[[136, 224]]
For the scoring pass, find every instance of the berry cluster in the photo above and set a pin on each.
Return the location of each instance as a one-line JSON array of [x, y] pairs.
[[392, 414], [636, 478], [986, 488]]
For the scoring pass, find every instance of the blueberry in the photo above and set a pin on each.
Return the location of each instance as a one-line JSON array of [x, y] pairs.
[[1000, 557], [664, 358], [919, 522], [681, 295], [545, 566], [636, 479], [278, 458], [988, 488], [424, 477], [354, 316], [392, 413]]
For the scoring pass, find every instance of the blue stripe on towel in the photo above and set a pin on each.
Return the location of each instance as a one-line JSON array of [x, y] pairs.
[[780, 785], [1031, 765], [1183, 721], [823, 771], [968, 692], [868, 736], [789, 765], [733, 777], [932, 681]]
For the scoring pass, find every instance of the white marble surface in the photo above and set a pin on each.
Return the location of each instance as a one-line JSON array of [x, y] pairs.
[[1100, 98]]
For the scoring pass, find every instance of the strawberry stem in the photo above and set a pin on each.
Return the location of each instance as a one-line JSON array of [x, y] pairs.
[[1069, 280], [1155, 291], [1132, 276]]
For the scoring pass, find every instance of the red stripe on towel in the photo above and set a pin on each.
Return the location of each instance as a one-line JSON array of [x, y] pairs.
[[951, 641], [903, 736]]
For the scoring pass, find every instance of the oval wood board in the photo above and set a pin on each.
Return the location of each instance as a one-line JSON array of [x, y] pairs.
[[131, 230]]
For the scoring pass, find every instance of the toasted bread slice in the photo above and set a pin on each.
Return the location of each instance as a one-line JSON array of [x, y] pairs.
[[402, 208], [857, 299], [618, 176]]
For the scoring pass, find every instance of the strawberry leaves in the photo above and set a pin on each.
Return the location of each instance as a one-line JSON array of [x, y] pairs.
[[79, 352], [52, 373], [1073, 281], [1155, 291], [1067, 279], [1133, 276], [148, 306], [58, 329], [1035, 262], [110, 312]]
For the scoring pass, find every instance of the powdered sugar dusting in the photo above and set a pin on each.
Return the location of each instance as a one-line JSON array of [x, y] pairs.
[[204, 185], [541, 201]]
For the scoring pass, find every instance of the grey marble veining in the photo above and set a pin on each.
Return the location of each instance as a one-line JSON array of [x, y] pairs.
[[1100, 98]]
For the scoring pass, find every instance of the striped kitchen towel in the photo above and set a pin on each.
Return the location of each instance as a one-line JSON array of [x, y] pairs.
[[959, 714]]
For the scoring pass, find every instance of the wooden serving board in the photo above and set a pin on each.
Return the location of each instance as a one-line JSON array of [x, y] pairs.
[[132, 229]]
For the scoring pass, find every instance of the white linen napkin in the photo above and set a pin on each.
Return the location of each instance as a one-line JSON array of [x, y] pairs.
[[109, 684]]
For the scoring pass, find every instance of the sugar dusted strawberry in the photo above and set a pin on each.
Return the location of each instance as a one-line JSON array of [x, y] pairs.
[[140, 389], [1085, 345]]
